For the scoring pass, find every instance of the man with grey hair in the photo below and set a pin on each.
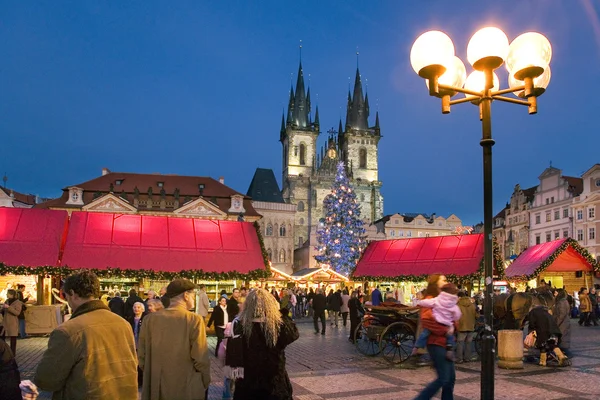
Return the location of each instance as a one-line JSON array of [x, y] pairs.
[[172, 350]]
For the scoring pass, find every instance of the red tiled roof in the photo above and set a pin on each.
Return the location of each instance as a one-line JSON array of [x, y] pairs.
[[20, 197], [31, 237], [575, 184], [213, 191], [101, 240], [458, 255]]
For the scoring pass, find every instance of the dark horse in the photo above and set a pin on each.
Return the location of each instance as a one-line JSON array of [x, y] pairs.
[[512, 309]]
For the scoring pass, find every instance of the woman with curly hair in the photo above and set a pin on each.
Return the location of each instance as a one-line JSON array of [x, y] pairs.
[[265, 333]]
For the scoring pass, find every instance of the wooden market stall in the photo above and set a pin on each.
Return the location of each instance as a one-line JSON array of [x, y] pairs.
[[277, 279], [410, 261], [30, 245], [323, 277], [563, 263]]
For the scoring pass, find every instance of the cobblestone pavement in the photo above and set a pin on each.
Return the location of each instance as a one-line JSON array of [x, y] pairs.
[[328, 367]]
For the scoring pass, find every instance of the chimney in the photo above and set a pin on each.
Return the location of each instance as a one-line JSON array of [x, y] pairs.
[[222, 180], [105, 171]]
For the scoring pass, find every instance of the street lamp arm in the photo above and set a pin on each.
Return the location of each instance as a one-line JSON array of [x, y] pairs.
[[459, 101], [460, 90], [511, 100], [506, 91]]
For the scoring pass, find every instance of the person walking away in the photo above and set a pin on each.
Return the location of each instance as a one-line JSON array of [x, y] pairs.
[[334, 307], [309, 297], [466, 327], [11, 310], [265, 333], [344, 306], [548, 335], [436, 346], [117, 305], [154, 305], [594, 307], [446, 312], [23, 299], [585, 307], [356, 312], [220, 317], [136, 324], [9, 374], [562, 316], [319, 304], [202, 303], [172, 352], [131, 300], [376, 298], [92, 355]]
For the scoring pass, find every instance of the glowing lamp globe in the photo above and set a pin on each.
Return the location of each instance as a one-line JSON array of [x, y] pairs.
[[528, 55], [430, 53], [487, 48], [476, 83], [540, 83], [455, 75]]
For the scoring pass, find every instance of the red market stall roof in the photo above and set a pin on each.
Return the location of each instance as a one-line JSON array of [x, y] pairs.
[[167, 244], [31, 237], [414, 259], [565, 255]]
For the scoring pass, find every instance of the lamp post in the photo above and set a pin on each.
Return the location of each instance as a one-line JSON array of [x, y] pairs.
[[527, 60]]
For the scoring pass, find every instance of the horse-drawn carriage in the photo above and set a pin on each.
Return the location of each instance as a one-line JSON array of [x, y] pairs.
[[388, 329]]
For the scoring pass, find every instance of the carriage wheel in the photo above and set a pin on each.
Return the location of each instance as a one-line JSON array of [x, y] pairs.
[[397, 342], [364, 344]]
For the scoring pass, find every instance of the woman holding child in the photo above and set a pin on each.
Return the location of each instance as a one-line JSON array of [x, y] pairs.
[[438, 340]]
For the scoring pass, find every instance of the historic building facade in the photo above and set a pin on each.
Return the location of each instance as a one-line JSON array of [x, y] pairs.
[[585, 209], [277, 223], [499, 230], [412, 225], [516, 221], [11, 198], [308, 173], [156, 194], [550, 215]]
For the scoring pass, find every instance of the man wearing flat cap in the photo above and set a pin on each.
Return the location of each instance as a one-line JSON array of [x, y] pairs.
[[172, 349]]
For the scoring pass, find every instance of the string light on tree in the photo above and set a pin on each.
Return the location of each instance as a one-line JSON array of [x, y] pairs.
[[341, 237]]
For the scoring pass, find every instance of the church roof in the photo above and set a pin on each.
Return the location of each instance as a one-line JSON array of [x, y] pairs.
[[264, 187]]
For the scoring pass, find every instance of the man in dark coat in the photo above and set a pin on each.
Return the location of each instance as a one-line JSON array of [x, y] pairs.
[[117, 305], [131, 300], [233, 304], [548, 334], [319, 304], [376, 298]]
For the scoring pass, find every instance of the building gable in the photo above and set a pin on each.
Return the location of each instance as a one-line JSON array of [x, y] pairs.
[[200, 207], [110, 203]]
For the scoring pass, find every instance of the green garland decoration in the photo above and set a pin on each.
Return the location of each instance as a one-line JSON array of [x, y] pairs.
[[498, 267], [547, 262], [265, 255], [138, 273]]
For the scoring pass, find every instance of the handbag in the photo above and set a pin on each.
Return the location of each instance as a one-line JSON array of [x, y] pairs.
[[530, 339]]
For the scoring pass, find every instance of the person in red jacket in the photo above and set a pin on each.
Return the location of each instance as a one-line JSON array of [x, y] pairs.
[[436, 346]]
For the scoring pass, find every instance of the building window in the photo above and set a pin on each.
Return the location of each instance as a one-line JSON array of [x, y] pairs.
[[396, 222], [301, 221], [537, 239], [592, 233], [547, 201], [537, 219], [119, 181], [400, 233], [281, 256], [591, 213], [552, 199], [362, 158], [556, 234], [362, 197], [392, 233], [269, 231], [270, 254], [160, 184], [300, 206], [420, 234], [566, 233], [548, 217], [408, 233], [439, 224], [282, 230], [295, 151], [556, 214], [597, 182], [579, 214], [565, 213], [302, 154], [580, 234], [426, 234], [420, 223], [548, 236]]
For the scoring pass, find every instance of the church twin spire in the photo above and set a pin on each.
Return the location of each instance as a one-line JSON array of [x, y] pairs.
[[298, 114]]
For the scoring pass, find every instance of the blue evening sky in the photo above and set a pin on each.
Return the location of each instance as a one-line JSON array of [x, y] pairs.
[[198, 88]]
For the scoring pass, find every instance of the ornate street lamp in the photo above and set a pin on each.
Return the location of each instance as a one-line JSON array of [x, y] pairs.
[[527, 60]]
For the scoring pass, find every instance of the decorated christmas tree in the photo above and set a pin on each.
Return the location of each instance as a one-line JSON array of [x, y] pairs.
[[341, 233]]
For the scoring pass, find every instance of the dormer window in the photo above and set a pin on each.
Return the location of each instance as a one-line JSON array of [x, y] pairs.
[[118, 182], [75, 196], [201, 186], [160, 184]]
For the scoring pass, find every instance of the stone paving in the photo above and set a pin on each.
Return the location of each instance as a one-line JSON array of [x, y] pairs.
[[328, 367]]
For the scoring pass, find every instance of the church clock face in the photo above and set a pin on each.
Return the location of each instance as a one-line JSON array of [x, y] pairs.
[[331, 153]]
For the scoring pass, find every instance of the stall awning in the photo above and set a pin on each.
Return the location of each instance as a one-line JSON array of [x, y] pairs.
[[565, 255], [419, 257], [168, 244], [30, 237], [322, 274]]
